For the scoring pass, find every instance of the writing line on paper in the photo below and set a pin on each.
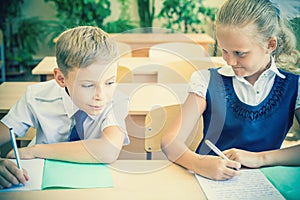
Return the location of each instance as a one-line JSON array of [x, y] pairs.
[[60, 174], [250, 184], [34, 169]]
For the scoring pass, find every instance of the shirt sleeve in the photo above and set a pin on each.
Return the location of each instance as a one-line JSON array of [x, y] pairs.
[[199, 82], [116, 116], [20, 116]]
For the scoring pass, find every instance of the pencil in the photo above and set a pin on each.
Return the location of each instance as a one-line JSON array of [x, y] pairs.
[[216, 150], [14, 144]]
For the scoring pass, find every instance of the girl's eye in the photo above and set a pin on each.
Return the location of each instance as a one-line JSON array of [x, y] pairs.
[[240, 54]]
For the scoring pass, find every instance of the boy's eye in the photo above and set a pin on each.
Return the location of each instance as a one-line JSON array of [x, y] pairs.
[[110, 82], [87, 85]]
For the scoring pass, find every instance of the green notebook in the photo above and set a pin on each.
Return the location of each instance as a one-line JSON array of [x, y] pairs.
[[285, 179], [59, 174]]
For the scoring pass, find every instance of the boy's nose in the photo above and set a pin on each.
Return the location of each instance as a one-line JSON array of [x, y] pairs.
[[98, 93]]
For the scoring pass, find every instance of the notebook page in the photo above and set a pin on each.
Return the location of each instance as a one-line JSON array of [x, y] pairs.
[[251, 184], [60, 174], [34, 169]]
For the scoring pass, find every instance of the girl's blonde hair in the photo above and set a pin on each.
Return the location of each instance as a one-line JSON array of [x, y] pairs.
[[268, 22], [83, 45]]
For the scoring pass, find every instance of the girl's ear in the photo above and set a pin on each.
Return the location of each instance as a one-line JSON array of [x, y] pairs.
[[272, 44], [59, 77]]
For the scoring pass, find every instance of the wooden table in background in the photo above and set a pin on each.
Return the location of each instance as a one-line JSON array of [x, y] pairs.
[[45, 68], [141, 42]]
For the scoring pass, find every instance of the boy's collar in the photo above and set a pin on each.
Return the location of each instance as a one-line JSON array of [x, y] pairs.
[[69, 106]]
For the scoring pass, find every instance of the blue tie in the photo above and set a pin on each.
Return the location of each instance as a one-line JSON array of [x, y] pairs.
[[77, 132]]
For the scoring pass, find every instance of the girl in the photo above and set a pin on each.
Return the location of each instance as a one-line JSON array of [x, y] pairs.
[[249, 104]]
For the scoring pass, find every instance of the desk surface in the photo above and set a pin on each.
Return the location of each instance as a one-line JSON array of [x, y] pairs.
[[132, 179], [143, 97], [46, 66], [10, 93]]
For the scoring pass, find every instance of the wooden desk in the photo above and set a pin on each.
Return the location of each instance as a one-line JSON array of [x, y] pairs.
[[45, 68], [10, 93], [141, 66], [132, 179], [141, 42]]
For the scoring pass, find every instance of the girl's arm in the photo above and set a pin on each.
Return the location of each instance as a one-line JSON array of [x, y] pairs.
[[173, 144], [106, 149], [285, 156]]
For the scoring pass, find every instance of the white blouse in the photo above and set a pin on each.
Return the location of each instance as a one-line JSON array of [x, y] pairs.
[[247, 93]]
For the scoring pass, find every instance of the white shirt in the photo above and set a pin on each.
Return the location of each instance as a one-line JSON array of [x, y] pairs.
[[47, 107], [247, 93]]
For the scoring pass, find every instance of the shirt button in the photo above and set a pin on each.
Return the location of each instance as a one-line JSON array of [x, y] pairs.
[[257, 92]]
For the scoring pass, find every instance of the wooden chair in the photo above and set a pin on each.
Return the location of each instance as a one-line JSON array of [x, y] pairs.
[[124, 75], [124, 49], [177, 50], [180, 71], [157, 122]]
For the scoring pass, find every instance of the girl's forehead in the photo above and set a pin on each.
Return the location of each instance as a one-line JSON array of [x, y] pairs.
[[234, 38]]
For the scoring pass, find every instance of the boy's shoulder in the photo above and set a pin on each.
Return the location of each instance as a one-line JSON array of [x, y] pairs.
[[48, 89]]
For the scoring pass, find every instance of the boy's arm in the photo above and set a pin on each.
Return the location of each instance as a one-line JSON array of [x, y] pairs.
[[4, 134], [173, 144], [106, 149]]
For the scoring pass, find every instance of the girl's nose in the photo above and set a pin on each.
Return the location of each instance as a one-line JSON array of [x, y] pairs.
[[230, 59]]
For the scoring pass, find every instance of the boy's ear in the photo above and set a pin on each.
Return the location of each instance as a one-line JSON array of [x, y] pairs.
[[59, 77], [272, 44]]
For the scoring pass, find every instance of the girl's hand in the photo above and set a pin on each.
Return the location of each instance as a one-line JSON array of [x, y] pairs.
[[24, 153], [216, 168], [246, 158], [10, 174]]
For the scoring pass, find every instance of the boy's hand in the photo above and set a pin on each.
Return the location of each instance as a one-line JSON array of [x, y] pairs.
[[216, 168], [246, 158], [24, 153], [10, 174]]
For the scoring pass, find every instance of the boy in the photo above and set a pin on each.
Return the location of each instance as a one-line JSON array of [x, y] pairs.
[[82, 93]]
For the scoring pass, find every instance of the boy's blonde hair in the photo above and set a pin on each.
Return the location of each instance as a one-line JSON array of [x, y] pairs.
[[266, 17], [82, 46]]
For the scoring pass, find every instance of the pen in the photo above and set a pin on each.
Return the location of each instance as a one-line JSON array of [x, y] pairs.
[[13, 140], [216, 150]]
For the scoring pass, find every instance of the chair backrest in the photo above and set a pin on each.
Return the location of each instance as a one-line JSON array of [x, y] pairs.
[[157, 122], [177, 50], [125, 49], [124, 75], [180, 71]]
